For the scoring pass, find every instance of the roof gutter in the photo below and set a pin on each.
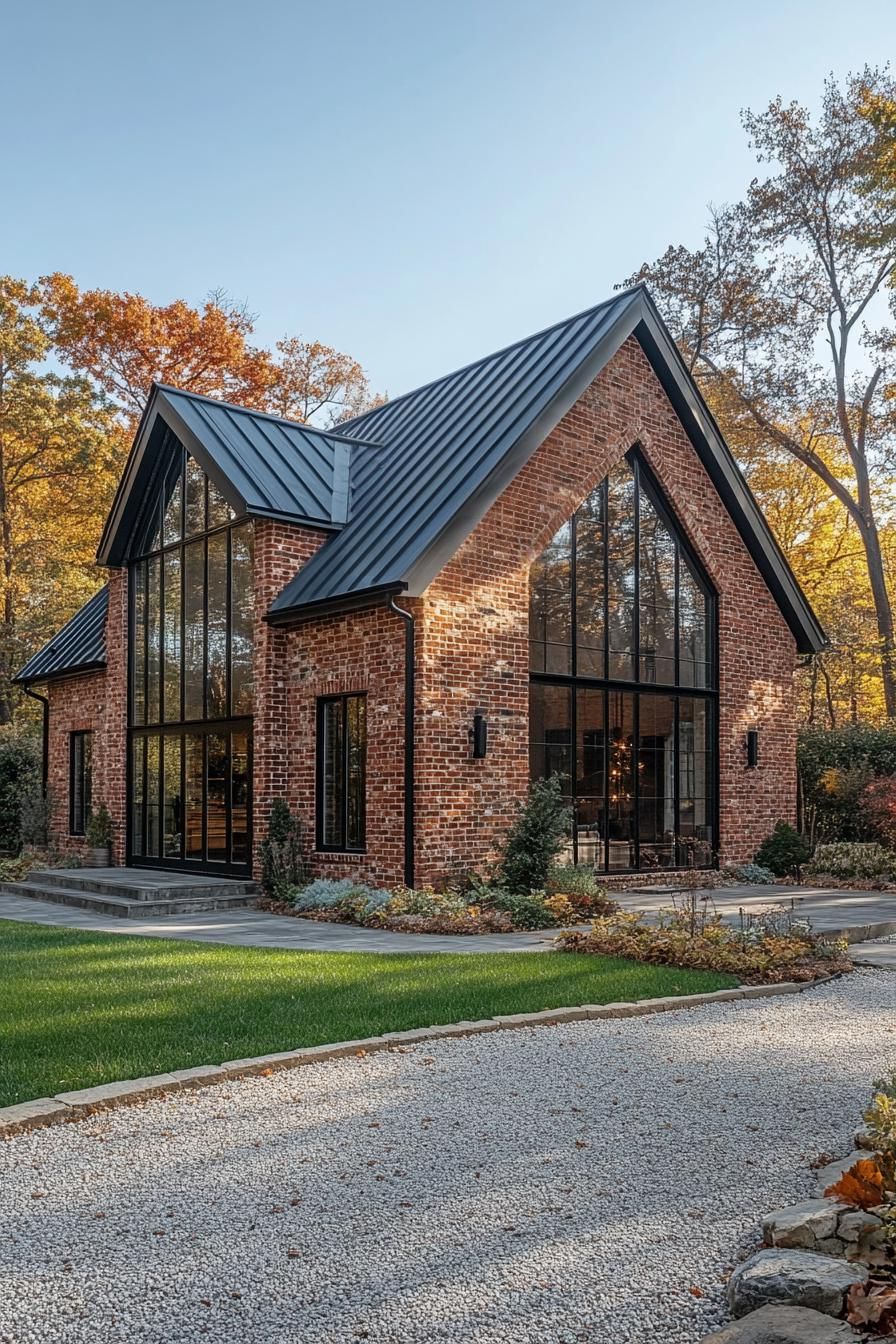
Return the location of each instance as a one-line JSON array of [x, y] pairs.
[[409, 698], [329, 606]]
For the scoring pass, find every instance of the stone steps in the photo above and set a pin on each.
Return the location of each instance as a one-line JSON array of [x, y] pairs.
[[132, 893]]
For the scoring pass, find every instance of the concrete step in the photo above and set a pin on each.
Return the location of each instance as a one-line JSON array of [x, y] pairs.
[[155, 885], [108, 903]]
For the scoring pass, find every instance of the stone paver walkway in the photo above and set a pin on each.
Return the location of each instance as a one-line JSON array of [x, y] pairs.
[[257, 928], [882, 954], [873, 913], [829, 909]]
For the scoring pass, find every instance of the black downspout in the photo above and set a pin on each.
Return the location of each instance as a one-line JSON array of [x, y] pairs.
[[42, 699], [409, 696]]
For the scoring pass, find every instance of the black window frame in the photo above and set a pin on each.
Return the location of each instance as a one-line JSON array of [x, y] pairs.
[[80, 762], [150, 718], [638, 686], [343, 846]]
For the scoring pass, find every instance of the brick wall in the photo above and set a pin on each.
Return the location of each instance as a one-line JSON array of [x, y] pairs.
[[472, 653], [475, 631], [97, 702], [358, 651]]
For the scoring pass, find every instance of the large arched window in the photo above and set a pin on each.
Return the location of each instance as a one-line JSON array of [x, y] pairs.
[[191, 654], [622, 640]]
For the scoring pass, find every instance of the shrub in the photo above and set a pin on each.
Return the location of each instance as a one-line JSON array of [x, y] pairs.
[[835, 765], [13, 870], [425, 901], [20, 777], [527, 910], [535, 838], [853, 860], [98, 832], [586, 895], [283, 862], [749, 874], [767, 957], [36, 817], [784, 851], [341, 894], [879, 803]]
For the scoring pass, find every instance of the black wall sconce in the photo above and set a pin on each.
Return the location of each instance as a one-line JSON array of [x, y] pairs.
[[479, 734], [752, 748]]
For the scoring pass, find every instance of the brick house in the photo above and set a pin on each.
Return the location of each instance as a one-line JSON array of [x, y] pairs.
[[547, 561]]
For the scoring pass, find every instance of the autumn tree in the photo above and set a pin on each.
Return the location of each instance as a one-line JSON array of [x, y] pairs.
[[123, 343], [781, 313], [312, 380], [59, 451]]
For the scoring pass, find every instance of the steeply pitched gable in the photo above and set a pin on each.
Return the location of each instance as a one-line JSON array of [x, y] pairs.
[[264, 466], [440, 456]]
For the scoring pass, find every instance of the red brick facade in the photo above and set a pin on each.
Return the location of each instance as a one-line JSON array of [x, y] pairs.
[[97, 702], [472, 654]]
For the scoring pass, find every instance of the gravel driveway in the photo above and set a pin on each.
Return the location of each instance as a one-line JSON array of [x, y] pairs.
[[574, 1183]]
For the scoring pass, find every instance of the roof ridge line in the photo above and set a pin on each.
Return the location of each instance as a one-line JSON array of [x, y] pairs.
[[493, 354], [267, 415]]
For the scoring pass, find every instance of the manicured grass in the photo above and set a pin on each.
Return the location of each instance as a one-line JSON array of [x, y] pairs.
[[77, 1009]]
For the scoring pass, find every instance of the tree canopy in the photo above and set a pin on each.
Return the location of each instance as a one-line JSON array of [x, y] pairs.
[[64, 439], [786, 316]]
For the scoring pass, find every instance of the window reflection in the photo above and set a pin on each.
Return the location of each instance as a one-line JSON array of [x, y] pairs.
[[615, 598], [192, 649]]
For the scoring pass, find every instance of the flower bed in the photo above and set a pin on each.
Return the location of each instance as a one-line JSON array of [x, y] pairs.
[[570, 896], [769, 948]]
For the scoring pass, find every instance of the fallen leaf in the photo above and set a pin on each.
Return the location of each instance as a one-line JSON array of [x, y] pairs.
[[862, 1185]]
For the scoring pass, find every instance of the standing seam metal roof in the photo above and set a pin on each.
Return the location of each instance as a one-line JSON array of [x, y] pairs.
[[80, 645], [440, 444], [265, 466]]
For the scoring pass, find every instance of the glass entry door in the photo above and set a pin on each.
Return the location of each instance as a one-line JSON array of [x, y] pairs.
[[190, 798]]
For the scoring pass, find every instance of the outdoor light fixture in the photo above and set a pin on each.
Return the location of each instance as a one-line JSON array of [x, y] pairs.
[[752, 748], [479, 735]]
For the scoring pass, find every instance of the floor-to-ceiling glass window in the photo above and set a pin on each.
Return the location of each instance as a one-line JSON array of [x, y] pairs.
[[623, 680], [192, 614]]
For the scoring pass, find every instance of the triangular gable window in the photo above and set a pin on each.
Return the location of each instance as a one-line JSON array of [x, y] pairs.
[[185, 505], [617, 594]]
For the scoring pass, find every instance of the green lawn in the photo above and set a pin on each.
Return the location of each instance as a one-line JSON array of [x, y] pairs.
[[78, 1009]]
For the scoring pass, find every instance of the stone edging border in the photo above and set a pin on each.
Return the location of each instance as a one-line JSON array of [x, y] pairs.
[[66, 1107]]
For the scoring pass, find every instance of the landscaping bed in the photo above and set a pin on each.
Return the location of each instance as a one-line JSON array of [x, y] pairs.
[[770, 947]]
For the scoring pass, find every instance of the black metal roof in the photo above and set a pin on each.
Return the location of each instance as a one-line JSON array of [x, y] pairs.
[[401, 487], [434, 461], [79, 647], [265, 466]]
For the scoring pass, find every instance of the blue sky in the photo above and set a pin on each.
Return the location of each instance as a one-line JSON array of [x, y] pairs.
[[414, 183]]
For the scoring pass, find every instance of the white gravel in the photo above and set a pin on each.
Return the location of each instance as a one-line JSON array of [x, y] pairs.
[[540, 1186]]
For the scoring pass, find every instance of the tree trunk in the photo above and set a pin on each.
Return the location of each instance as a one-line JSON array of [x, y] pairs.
[[883, 612]]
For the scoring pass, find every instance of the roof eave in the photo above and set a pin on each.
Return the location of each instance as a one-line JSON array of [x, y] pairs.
[[63, 674], [330, 606]]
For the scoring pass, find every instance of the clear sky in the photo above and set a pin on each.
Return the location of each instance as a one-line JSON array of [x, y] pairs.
[[416, 182]]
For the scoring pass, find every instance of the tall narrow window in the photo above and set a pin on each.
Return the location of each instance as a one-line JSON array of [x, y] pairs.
[[623, 679], [80, 771], [191, 655], [341, 772]]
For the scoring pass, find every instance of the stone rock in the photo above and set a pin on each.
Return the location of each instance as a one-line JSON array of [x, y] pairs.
[[802, 1225], [784, 1325], [857, 1224], [792, 1278], [834, 1170]]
